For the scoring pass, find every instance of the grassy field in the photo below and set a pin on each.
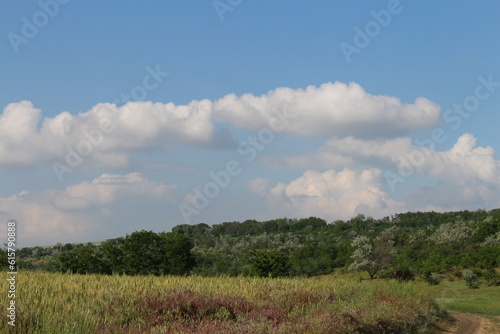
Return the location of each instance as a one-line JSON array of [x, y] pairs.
[[450, 295], [57, 303], [456, 296]]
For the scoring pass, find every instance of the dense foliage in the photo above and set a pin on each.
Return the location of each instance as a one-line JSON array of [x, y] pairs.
[[139, 253], [425, 243]]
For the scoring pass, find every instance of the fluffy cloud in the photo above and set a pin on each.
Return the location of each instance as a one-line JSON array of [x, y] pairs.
[[18, 132], [468, 177], [332, 109], [331, 194], [464, 161], [82, 211], [108, 135]]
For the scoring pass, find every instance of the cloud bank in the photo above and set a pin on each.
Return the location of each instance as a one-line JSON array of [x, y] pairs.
[[83, 210], [108, 135], [462, 162]]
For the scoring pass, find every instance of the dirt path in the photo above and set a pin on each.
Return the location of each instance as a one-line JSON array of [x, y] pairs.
[[468, 323]]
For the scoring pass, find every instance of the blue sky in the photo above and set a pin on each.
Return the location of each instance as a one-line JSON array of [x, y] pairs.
[[346, 141]]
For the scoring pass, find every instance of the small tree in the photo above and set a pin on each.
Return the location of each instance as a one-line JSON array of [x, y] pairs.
[[373, 257], [364, 257], [492, 277], [432, 277], [471, 279]]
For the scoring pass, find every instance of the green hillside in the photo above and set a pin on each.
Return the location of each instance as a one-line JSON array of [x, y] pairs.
[[422, 243]]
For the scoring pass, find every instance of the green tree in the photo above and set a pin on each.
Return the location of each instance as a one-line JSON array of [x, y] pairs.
[[3, 259], [471, 279], [146, 252], [177, 252], [83, 260], [269, 264], [373, 257], [141, 253], [314, 258]]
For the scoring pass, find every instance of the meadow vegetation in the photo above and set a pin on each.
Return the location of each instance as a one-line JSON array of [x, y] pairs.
[[67, 303]]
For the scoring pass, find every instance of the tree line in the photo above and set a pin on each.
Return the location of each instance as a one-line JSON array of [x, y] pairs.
[[140, 253], [424, 243]]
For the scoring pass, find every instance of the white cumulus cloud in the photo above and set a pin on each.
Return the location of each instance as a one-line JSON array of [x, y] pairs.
[[331, 194], [331, 109], [106, 135], [464, 161]]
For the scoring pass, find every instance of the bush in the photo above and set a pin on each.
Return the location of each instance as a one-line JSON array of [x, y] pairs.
[[386, 274], [433, 278], [479, 273], [471, 279], [492, 278], [457, 274], [406, 276]]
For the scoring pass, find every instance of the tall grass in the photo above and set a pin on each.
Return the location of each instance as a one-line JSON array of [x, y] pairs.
[[59, 303]]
